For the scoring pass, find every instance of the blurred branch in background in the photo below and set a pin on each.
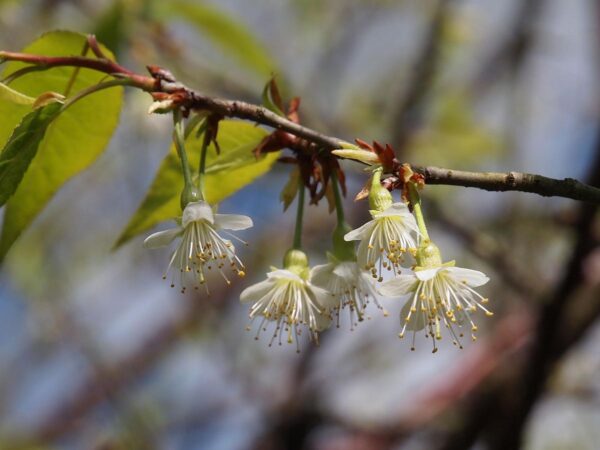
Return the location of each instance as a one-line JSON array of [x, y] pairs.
[[483, 395], [489, 250], [497, 414], [113, 379], [511, 51], [422, 75]]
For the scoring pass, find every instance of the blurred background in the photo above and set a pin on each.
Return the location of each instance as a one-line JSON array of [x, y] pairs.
[[97, 352]]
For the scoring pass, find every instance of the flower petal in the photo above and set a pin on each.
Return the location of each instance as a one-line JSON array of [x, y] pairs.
[[360, 232], [399, 286], [362, 254], [232, 221], [162, 238], [284, 274], [400, 211], [256, 291], [196, 211], [396, 209], [427, 274], [347, 270], [323, 322], [470, 277], [324, 299], [416, 322], [320, 275]]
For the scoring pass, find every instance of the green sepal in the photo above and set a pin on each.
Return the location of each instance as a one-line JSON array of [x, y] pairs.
[[296, 261], [380, 198], [342, 249], [428, 255]]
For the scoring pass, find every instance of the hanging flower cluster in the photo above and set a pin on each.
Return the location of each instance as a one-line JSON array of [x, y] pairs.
[[298, 300]]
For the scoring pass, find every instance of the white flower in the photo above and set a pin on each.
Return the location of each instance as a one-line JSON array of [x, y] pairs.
[[201, 246], [351, 287], [291, 301], [385, 239], [441, 294]]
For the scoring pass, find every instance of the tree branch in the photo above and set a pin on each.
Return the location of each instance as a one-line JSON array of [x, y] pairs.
[[162, 82], [512, 181]]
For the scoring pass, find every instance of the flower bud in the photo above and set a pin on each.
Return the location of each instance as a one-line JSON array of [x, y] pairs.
[[161, 106], [363, 156]]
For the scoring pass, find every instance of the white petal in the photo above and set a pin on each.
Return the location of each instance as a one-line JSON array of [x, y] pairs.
[[162, 238], [325, 299], [416, 322], [365, 284], [360, 232], [323, 322], [283, 274], [320, 275], [256, 291], [346, 270], [401, 285], [427, 274], [397, 209], [232, 221], [400, 211], [363, 252], [471, 277], [196, 211]]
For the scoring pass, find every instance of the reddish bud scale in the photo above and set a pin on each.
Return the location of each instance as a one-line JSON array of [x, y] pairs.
[[401, 174], [315, 166]]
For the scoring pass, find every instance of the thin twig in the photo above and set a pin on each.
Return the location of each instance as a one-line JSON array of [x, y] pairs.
[[512, 181], [192, 100]]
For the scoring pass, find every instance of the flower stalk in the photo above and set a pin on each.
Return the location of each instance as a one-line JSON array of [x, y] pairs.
[[339, 206], [202, 166], [342, 249], [297, 244], [189, 193], [415, 201]]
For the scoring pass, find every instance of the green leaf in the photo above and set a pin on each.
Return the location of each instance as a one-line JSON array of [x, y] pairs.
[[288, 194], [10, 95], [22, 147], [271, 98], [73, 141], [237, 140], [232, 36]]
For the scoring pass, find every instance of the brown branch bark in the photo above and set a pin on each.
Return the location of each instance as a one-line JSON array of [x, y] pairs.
[[193, 100], [512, 181]]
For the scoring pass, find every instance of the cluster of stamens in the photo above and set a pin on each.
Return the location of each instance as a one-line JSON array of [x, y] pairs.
[[200, 250], [443, 300], [292, 308], [355, 298]]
